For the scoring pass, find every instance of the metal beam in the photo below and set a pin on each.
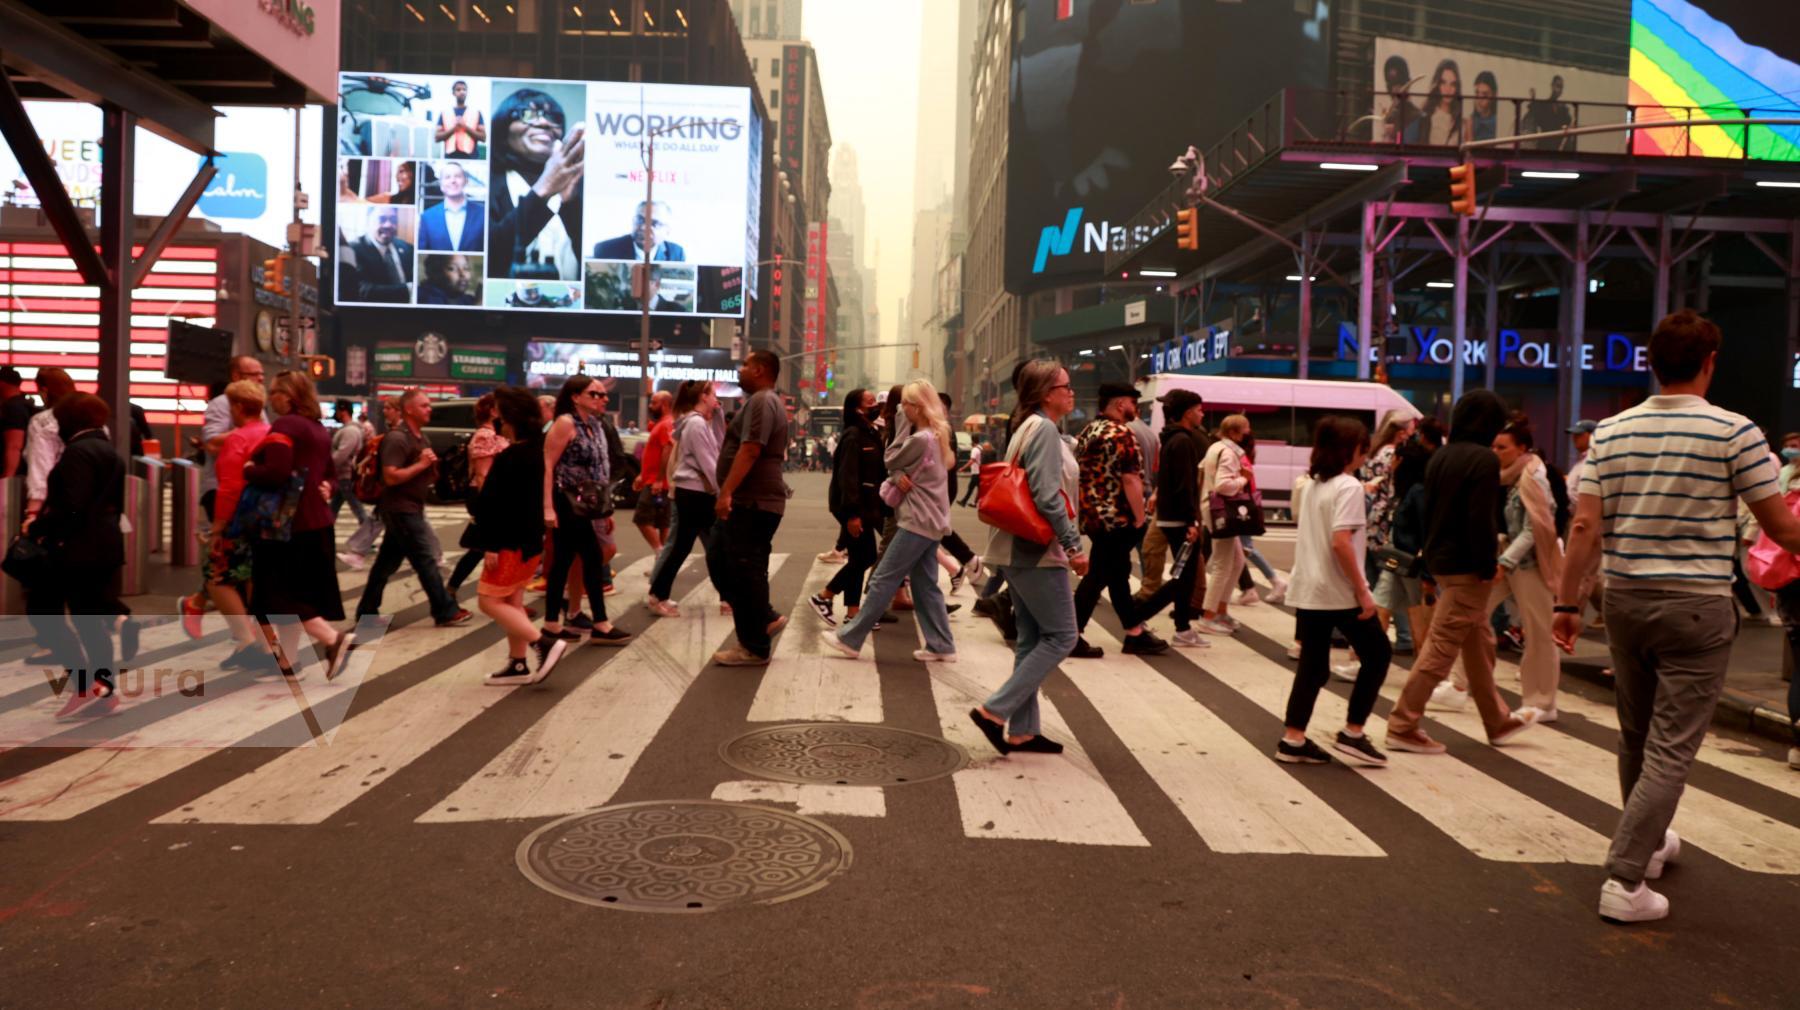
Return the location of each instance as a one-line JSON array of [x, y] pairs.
[[1377, 186], [1459, 307], [1696, 192], [165, 231], [1596, 191], [54, 55], [1635, 219], [23, 138], [119, 141]]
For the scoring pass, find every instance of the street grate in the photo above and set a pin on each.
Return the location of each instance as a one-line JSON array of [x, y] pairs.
[[842, 754], [685, 857]]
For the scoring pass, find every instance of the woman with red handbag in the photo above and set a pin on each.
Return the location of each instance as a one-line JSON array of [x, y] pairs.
[[1035, 544]]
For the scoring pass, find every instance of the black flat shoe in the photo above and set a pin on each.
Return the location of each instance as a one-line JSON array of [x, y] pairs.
[[996, 735], [1038, 745]]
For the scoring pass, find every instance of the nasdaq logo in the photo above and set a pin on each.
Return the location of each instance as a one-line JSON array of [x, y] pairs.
[[240, 189], [1057, 241]]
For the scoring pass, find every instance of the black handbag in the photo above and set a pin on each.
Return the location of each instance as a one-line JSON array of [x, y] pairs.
[[27, 560], [588, 499], [1401, 563]]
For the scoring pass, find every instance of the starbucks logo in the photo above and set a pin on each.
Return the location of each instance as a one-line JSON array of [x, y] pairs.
[[431, 349]]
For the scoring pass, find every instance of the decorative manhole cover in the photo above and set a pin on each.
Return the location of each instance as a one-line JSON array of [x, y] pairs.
[[842, 754], [697, 856]]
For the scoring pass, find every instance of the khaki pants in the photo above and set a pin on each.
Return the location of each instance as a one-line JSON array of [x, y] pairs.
[[1541, 668], [1156, 560], [1458, 625], [1222, 572]]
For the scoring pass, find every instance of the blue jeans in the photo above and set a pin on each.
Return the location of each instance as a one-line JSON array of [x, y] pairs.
[[914, 556], [408, 538], [368, 521], [1045, 611], [1255, 557]]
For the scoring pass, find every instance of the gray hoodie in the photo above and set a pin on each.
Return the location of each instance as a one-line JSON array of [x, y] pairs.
[[925, 510], [697, 443]]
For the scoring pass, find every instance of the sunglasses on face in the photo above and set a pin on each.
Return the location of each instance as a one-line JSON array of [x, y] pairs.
[[594, 395]]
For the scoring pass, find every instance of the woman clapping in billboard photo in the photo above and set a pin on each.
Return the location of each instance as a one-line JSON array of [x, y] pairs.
[[535, 203]]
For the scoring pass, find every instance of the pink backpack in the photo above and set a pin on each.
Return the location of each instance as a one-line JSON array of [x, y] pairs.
[[1770, 565]]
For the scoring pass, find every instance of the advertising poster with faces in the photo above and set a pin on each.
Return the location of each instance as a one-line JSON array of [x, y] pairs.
[[1429, 95], [499, 193]]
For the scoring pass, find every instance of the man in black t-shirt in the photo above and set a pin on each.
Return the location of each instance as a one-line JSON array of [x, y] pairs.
[[16, 409], [752, 498]]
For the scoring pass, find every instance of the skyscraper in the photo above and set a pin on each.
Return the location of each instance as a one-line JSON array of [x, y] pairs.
[[768, 19]]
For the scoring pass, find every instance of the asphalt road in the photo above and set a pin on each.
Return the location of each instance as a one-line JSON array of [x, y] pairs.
[[1165, 862]]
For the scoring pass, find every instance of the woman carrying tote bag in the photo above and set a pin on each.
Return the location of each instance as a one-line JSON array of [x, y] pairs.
[[1043, 604]]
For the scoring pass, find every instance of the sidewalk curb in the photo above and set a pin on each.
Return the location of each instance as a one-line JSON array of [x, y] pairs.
[[1746, 711]]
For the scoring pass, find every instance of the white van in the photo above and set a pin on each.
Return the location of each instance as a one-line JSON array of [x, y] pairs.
[[1282, 413]]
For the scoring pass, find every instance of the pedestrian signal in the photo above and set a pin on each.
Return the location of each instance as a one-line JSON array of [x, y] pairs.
[[319, 366], [1462, 189], [1187, 228]]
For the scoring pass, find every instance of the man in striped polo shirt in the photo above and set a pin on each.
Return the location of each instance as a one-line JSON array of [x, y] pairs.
[[1659, 492]]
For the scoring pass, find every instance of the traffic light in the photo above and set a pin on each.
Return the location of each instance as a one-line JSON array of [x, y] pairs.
[[1187, 228], [1462, 189], [319, 366], [915, 359], [274, 273]]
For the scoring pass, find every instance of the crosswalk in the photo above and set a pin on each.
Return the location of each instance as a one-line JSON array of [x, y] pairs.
[[411, 702]]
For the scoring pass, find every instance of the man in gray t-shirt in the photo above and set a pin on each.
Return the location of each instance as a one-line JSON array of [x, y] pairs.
[[752, 498]]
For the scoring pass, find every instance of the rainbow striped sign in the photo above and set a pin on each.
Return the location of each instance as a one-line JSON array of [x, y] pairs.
[[1686, 64]]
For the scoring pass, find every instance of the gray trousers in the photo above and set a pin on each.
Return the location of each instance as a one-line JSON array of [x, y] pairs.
[[1669, 653]]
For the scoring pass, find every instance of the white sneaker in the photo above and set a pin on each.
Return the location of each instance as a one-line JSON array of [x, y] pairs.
[[1542, 714], [1294, 651], [1189, 639], [1794, 758], [1279, 592], [927, 656], [974, 570], [836, 645], [662, 608], [353, 560], [1668, 852], [833, 556], [1247, 598], [1446, 697], [1619, 904], [1346, 671], [1207, 625]]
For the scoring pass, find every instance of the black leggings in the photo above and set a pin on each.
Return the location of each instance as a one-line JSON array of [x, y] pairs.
[[961, 551], [83, 596], [1314, 628], [1109, 568], [465, 567], [694, 518], [861, 557], [574, 540]]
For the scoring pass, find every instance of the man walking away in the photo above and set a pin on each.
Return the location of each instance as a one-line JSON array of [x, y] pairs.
[[1462, 553], [346, 445], [1112, 516], [408, 466], [752, 498], [1663, 531]]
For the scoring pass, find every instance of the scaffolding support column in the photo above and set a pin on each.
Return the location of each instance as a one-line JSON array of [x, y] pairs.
[[1459, 308], [118, 157], [1365, 293], [1574, 343], [1306, 268], [1491, 371]]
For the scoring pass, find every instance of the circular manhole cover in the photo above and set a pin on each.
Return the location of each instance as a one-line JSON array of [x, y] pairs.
[[842, 754], [691, 856]]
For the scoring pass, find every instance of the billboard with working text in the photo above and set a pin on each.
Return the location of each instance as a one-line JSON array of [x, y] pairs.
[[508, 194]]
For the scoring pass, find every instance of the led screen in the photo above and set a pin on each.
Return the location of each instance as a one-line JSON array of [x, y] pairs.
[[509, 194], [1687, 63]]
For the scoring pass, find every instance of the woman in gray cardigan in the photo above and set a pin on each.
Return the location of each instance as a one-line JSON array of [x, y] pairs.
[[1043, 605], [918, 462]]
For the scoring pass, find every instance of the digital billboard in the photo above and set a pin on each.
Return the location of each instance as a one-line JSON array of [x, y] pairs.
[[510, 194], [1105, 95], [1693, 63], [1430, 95]]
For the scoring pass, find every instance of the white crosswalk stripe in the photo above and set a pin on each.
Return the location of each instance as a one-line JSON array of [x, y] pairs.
[[581, 750]]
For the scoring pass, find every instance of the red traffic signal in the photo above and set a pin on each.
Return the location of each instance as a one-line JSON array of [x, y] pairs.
[[1462, 189], [1187, 228]]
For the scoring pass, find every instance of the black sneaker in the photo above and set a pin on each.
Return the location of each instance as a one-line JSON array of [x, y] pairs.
[[580, 621], [611, 636], [823, 608], [889, 617], [549, 651], [1039, 744], [984, 606], [1304, 753], [952, 608], [456, 620], [1084, 650], [566, 634], [514, 674], [1144, 644], [1358, 748]]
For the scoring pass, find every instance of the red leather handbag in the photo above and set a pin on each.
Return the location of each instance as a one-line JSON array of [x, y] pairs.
[[1006, 503]]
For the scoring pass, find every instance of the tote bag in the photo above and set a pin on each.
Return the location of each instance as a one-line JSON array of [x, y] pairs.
[[1770, 565]]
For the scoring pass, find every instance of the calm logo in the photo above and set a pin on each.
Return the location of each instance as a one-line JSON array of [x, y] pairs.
[[241, 189]]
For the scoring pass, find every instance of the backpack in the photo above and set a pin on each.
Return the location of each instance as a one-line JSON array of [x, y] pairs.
[[365, 478], [1559, 491], [453, 481]]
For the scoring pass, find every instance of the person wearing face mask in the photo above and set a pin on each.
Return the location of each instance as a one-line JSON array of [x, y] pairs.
[[855, 501], [1790, 462]]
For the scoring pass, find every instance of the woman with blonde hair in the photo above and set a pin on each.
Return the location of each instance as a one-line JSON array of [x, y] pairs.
[[918, 460]]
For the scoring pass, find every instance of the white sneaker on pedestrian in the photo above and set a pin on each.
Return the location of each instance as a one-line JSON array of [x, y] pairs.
[[1346, 671], [927, 656], [1189, 639], [1621, 904], [1668, 852], [1543, 714], [352, 559], [1293, 651], [1278, 592], [833, 557], [1207, 625], [662, 608], [836, 645], [1794, 758], [1247, 598], [1446, 697]]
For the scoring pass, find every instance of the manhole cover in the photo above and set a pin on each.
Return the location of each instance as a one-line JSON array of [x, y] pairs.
[[698, 856], [842, 754]]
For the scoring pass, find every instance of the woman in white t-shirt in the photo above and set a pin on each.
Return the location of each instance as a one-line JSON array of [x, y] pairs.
[[1329, 592]]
